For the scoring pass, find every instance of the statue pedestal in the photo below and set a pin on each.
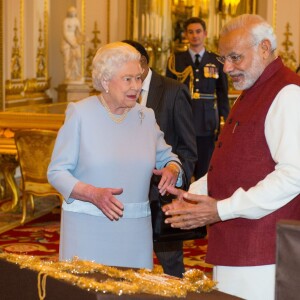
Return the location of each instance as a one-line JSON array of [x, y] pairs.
[[72, 92]]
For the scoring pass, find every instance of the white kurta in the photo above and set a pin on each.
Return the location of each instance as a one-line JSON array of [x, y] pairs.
[[93, 149]]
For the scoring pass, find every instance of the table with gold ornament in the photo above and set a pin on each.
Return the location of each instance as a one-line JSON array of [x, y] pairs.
[[30, 277]]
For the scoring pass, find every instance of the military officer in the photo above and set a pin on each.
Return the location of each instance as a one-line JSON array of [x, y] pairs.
[[200, 70]]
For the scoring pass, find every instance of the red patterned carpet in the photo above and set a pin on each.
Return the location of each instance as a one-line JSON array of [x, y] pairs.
[[38, 237], [41, 237]]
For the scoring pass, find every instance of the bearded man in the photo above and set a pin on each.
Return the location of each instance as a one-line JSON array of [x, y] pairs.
[[253, 180]]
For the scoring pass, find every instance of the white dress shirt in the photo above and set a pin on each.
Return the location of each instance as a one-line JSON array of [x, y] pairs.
[[193, 54], [145, 88], [143, 101], [282, 132]]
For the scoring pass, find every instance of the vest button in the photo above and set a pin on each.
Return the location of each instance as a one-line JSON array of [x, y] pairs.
[[220, 144], [230, 121], [210, 168]]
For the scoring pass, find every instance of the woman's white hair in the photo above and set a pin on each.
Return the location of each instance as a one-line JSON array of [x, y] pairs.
[[109, 59], [257, 27]]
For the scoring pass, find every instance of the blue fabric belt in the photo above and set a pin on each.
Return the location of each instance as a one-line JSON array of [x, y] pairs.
[[131, 210]]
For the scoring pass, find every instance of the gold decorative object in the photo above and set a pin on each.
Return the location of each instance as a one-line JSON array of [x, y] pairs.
[[147, 24], [35, 88], [8, 165], [230, 7], [36, 85], [288, 55], [19, 92], [34, 148], [182, 76], [116, 281], [40, 57], [91, 53], [14, 87], [155, 50], [16, 66], [180, 13]]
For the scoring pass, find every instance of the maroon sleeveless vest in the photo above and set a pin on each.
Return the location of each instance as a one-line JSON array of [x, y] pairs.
[[241, 159]]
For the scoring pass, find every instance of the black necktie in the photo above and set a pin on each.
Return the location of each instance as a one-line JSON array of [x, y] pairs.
[[197, 60]]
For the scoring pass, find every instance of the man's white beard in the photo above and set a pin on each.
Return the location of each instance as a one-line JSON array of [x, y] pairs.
[[250, 76]]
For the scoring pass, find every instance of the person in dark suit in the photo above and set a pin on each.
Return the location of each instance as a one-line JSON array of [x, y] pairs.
[[210, 89], [170, 101]]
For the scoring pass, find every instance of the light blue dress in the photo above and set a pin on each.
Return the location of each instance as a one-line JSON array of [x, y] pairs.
[[93, 149]]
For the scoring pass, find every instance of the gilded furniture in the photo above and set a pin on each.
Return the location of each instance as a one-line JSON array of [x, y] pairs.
[[34, 148], [47, 117], [8, 165]]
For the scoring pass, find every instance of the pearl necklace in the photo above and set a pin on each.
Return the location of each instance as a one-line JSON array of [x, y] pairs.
[[112, 116]]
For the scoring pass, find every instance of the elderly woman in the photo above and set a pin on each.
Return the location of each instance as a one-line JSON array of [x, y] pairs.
[[102, 163]]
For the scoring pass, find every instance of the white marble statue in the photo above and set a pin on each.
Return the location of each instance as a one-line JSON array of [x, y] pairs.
[[71, 47]]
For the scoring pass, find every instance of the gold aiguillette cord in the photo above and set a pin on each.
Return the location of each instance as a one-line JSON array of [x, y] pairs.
[[42, 285]]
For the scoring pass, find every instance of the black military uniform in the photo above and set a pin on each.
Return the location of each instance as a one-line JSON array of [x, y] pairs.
[[210, 101]]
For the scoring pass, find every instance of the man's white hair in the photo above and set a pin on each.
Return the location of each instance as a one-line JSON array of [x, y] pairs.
[[258, 28]]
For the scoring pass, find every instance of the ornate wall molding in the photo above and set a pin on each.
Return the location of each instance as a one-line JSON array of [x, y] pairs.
[[2, 86], [46, 33]]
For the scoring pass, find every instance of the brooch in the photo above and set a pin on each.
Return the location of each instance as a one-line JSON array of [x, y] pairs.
[[141, 115]]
